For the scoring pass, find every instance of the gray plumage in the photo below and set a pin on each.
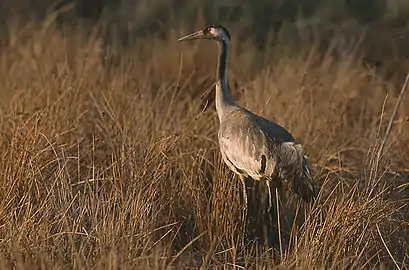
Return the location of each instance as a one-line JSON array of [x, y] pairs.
[[252, 146]]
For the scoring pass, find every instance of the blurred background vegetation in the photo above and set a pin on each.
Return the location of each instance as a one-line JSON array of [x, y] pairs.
[[377, 29], [251, 18]]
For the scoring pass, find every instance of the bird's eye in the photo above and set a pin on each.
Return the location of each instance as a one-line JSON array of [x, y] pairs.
[[207, 30]]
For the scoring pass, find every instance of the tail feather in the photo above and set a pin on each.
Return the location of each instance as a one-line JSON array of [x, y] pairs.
[[304, 186], [300, 180]]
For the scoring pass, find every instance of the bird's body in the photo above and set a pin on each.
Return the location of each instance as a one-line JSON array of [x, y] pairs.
[[252, 146], [256, 148]]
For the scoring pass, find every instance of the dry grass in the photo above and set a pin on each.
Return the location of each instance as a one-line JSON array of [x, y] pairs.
[[116, 165]]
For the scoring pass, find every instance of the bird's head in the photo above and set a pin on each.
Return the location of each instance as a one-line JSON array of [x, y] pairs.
[[214, 31]]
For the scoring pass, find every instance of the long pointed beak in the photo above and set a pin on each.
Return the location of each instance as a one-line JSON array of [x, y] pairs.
[[195, 35]]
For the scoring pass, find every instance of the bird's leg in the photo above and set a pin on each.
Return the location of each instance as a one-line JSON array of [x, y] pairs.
[[270, 202], [243, 181], [279, 223]]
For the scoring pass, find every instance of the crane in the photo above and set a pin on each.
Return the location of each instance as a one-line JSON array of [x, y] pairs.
[[252, 146]]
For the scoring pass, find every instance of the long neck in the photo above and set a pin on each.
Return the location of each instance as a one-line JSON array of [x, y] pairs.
[[223, 99]]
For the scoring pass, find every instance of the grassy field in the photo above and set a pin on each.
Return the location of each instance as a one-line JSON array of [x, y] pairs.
[[109, 155]]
